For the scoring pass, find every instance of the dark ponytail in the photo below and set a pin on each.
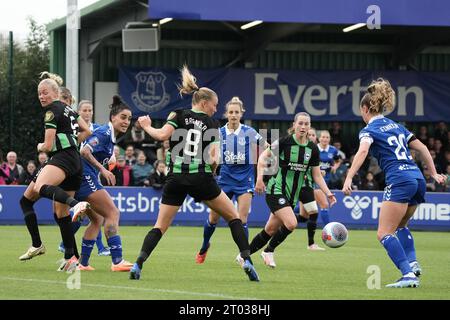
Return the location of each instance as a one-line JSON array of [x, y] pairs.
[[117, 106]]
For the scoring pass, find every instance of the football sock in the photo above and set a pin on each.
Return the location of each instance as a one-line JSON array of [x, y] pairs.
[[311, 225], [297, 208], [65, 227], [324, 216], [115, 246], [76, 225], [31, 221], [300, 219], [238, 234], [55, 193], [259, 241], [86, 249], [151, 240], [407, 241], [278, 238], [99, 242], [396, 253], [208, 230], [245, 225]]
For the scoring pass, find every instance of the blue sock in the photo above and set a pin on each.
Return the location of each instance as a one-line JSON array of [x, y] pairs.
[[115, 245], [297, 208], [245, 229], [208, 230], [86, 249], [396, 253], [323, 213], [99, 242], [406, 240]]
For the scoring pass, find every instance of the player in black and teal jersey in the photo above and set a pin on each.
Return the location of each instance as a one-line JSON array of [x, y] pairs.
[[61, 176], [193, 157], [295, 154]]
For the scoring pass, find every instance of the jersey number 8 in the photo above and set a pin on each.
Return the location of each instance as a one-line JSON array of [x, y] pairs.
[[192, 142]]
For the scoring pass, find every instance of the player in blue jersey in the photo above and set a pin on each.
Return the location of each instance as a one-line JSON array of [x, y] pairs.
[[389, 142], [96, 153], [329, 162], [85, 110], [238, 149]]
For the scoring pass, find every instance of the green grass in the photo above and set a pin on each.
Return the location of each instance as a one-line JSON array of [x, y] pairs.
[[171, 272]]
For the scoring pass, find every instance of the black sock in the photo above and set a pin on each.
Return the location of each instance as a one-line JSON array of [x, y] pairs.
[[57, 194], [65, 226], [312, 226], [239, 237], [301, 219], [278, 238], [31, 221], [259, 241], [151, 240]]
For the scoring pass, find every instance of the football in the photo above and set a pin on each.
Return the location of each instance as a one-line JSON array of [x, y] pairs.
[[334, 235]]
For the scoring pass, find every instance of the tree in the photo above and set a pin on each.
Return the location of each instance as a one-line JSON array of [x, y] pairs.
[[29, 61]]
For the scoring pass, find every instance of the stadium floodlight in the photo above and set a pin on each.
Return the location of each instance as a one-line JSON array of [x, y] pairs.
[[165, 20], [354, 27], [251, 24]]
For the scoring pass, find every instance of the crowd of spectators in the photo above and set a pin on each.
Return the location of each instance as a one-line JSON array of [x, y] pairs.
[[140, 161]]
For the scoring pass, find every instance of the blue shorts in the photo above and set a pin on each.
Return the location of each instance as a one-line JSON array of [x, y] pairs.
[[411, 192], [233, 190], [89, 184]]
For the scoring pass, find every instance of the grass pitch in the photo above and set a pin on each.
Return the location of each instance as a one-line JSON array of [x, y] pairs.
[[171, 272]]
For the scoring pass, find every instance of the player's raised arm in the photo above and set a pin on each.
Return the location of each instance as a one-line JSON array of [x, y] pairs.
[[161, 134]]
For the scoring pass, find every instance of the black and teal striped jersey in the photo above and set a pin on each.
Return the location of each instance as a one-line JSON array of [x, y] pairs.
[[62, 118], [294, 161], [189, 144]]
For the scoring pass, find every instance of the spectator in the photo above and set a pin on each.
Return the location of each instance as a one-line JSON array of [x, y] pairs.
[[337, 178], [113, 160], [447, 183], [42, 158], [159, 176], [137, 135], [423, 134], [430, 143], [123, 173], [4, 171], [142, 171], [436, 162], [15, 169], [130, 158], [338, 145], [369, 182], [27, 175], [161, 153], [440, 132], [431, 186]]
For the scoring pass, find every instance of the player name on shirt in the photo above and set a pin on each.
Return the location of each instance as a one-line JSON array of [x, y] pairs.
[[197, 123]]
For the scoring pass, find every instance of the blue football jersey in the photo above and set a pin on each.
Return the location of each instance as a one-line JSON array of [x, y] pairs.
[[389, 145], [238, 160], [101, 143], [327, 158]]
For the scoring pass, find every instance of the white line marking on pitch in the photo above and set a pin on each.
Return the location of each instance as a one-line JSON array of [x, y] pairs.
[[214, 295]]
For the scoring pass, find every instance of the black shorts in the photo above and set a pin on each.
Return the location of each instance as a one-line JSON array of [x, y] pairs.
[[69, 160], [200, 186], [307, 195], [276, 202]]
